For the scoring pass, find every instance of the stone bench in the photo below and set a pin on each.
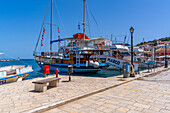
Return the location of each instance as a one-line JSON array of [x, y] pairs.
[[41, 85]]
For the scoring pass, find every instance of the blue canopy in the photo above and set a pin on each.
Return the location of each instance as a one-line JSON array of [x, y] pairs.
[[56, 40]]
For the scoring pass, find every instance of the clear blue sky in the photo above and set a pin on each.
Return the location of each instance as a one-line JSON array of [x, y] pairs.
[[21, 20]]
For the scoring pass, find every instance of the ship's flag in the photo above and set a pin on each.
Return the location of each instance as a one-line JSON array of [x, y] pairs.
[[79, 26], [43, 36], [44, 30], [58, 30]]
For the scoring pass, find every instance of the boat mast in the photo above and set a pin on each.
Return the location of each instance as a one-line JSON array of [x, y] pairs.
[[84, 19], [51, 26]]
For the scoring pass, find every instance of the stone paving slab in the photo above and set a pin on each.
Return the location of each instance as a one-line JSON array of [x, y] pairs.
[[20, 96], [139, 96]]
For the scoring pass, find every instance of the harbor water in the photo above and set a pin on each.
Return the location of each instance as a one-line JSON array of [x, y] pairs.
[[38, 72]]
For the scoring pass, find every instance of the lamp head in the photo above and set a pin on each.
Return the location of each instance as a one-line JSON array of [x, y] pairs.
[[131, 30]]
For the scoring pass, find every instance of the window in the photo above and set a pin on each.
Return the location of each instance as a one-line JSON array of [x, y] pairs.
[[74, 44]]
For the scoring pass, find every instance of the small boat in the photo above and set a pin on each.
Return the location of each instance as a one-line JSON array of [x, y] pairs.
[[14, 73]]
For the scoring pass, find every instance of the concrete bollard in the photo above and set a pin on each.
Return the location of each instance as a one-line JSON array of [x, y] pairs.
[[70, 71], [125, 70]]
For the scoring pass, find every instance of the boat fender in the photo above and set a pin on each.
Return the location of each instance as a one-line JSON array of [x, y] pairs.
[[96, 65], [91, 62], [67, 50], [101, 45], [131, 69], [87, 63]]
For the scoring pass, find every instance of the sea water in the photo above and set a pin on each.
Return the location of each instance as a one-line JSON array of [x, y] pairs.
[[38, 71]]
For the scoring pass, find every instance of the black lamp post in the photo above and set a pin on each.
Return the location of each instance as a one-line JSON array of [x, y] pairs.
[[131, 31], [166, 65]]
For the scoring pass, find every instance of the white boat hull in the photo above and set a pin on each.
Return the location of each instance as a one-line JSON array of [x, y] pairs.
[[20, 73], [116, 62], [14, 78]]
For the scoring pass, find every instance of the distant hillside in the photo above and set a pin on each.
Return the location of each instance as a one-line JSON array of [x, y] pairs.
[[154, 41]]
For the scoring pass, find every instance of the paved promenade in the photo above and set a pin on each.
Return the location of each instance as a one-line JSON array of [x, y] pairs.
[[148, 95], [21, 97]]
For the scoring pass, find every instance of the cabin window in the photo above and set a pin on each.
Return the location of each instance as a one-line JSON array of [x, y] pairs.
[[101, 52], [138, 59], [41, 59], [56, 61], [74, 44], [114, 53], [81, 56], [48, 60], [69, 44]]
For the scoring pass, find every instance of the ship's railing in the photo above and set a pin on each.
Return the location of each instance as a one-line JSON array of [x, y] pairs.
[[46, 53], [6, 68]]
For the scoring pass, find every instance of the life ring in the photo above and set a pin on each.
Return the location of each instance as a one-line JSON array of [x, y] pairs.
[[77, 43], [100, 46], [131, 69], [67, 50]]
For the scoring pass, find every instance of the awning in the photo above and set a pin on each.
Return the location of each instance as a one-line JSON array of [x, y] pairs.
[[56, 41]]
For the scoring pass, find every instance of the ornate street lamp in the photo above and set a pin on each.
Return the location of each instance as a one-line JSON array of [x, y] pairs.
[[131, 31]]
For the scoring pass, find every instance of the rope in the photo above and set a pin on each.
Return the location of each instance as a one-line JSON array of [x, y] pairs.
[[88, 22], [128, 39], [38, 72], [42, 27], [18, 61], [93, 17], [59, 14]]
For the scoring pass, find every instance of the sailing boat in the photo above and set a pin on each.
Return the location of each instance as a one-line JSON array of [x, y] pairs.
[[79, 59]]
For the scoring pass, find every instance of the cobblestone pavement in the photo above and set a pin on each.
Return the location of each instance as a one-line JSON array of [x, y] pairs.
[[148, 95], [20, 96]]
